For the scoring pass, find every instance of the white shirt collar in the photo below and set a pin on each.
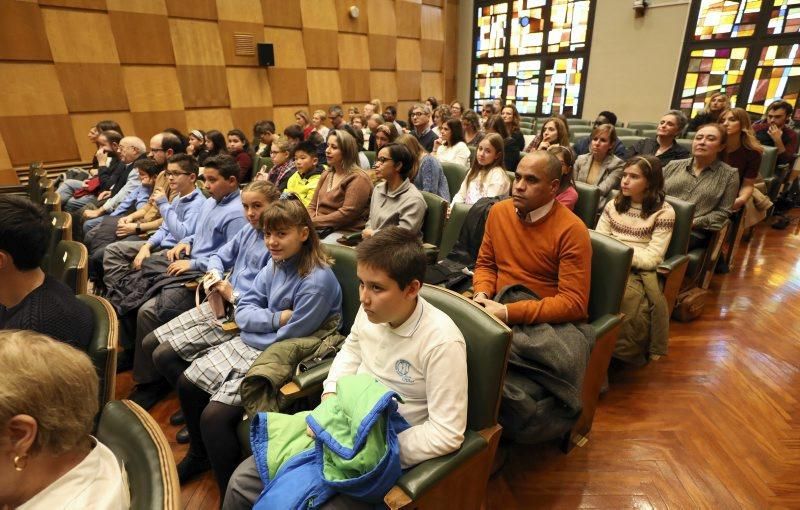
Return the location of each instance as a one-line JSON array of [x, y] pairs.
[[541, 212]]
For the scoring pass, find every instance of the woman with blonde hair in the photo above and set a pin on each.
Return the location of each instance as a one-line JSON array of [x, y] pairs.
[[48, 401], [376, 103], [426, 174], [715, 105], [487, 177], [317, 121], [302, 120], [600, 167]]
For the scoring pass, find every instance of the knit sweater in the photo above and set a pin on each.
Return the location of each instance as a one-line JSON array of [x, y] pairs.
[[551, 256], [345, 207], [649, 237]]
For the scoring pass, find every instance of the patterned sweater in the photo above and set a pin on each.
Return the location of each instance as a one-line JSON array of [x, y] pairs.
[[649, 237]]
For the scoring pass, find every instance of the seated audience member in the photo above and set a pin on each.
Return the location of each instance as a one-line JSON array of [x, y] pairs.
[[341, 200], [441, 114], [533, 240], [369, 110], [304, 180], [471, 125], [293, 133], [282, 163], [318, 121], [218, 221], [450, 146], [94, 132], [487, 176], [717, 103], [215, 145], [373, 121], [554, 131], [184, 140], [566, 193], [394, 323], [395, 201], [704, 180], [359, 123], [456, 109], [600, 167], [30, 298], [48, 405], [291, 297], [336, 115], [663, 146], [196, 145], [77, 193], [427, 174], [583, 145], [432, 103], [239, 149], [641, 218], [302, 120], [390, 115], [511, 119], [421, 120], [742, 152], [487, 111], [363, 160], [774, 131], [511, 153], [263, 133], [179, 220], [377, 106], [383, 135]]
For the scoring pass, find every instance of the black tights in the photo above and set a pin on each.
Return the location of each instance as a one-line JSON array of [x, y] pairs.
[[212, 430], [165, 358]]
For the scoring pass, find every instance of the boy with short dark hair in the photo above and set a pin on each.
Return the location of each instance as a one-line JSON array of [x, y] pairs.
[[405, 343], [304, 181]]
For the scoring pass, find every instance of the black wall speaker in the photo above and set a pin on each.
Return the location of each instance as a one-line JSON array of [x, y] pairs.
[[266, 55]]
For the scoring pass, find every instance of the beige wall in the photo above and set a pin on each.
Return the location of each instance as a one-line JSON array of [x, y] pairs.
[[633, 62]]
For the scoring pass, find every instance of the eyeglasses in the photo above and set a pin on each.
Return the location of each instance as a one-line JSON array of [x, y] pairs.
[[383, 160], [417, 114], [275, 153], [156, 150], [175, 174]]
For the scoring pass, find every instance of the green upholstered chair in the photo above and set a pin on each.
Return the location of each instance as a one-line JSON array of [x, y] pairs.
[[435, 216], [703, 260], [62, 225], [144, 453], [648, 133], [370, 157], [260, 161], [104, 344], [579, 122], [611, 262], [452, 228], [580, 130], [473, 153], [622, 131], [588, 201], [628, 141], [676, 260], [686, 143], [767, 170], [455, 175], [639, 126], [68, 264]]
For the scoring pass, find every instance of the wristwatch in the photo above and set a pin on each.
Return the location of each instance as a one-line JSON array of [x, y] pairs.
[[234, 297], [138, 228]]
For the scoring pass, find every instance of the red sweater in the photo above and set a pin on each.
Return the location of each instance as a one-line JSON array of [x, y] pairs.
[[552, 257]]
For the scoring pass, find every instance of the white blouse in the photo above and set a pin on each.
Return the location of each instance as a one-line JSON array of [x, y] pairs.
[[492, 184], [458, 154]]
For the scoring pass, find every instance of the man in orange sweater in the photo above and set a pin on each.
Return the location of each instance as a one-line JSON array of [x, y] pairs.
[[533, 240]]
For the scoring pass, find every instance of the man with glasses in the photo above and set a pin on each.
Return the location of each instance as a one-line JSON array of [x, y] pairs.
[[581, 146], [421, 120], [336, 114]]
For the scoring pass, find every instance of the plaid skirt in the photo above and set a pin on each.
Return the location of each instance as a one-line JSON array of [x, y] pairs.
[[221, 370], [193, 333]]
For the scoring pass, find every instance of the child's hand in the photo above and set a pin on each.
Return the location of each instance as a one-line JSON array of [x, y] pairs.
[[285, 316]]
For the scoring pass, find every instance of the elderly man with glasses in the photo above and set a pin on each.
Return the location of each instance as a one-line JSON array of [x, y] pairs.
[[421, 120]]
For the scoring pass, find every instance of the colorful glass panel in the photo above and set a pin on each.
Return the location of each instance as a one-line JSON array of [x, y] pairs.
[[569, 21], [723, 19], [488, 83], [527, 27], [523, 85], [709, 71], [562, 87], [777, 77], [785, 17], [491, 21]]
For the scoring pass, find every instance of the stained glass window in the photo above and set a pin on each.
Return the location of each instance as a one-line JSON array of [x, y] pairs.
[[569, 23], [488, 83], [527, 27], [710, 71], [491, 21], [777, 77], [785, 17], [562, 87], [722, 19], [523, 85]]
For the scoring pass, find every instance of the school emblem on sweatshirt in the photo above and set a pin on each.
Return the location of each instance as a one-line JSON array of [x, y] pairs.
[[402, 367]]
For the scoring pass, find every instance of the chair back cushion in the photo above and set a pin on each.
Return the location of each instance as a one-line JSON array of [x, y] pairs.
[[684, 214], [452, 229], [344, 267], [611, 261], [649, 133], [370, 157], [435, 215], [143, 451], [623, 131], [103, 345], [629, 140], [487, 341], [768, 160], [67, 262], [686, 143], [455, 175], [642, 125], [587, 204]]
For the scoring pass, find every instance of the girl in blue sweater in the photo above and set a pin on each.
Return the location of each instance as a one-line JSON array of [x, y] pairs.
[[291, 297]]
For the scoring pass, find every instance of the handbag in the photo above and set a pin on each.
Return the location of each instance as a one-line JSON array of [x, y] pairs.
[[690, 304], [89, 188], [220, 307]]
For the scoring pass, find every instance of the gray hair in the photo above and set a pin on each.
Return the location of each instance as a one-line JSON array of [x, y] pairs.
[[135, 142], [425, 108], [680, 117]]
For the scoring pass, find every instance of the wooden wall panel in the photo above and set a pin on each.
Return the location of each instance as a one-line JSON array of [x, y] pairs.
[[346, 23], [432, 85], [290, 86], [196, 43], [196, 9], [140, 6], [408, 85], [211, 118], [248, 86], [131, 29], [284, 116], [432, 55], [280, 13], [22, 34], [355, 85], [324, 87], [108, 90], [30, 89], [18, 131], [5, 160], [408, 55], [98, 5], [382, 51], [288, 46], [240, 10], [316, 14], [353, 51], [147, 124], [408, 19], [432, 23], [227, 29], [437, 3], [384, 86], [203, 86], [382, 18], [79, 36], [82, 122], [152, 88], [245, 118], [322, 48]]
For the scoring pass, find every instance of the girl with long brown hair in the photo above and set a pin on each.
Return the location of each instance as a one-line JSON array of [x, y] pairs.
[[487, 177]]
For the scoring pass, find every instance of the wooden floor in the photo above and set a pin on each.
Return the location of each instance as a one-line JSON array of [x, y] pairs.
[[715, 424]]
